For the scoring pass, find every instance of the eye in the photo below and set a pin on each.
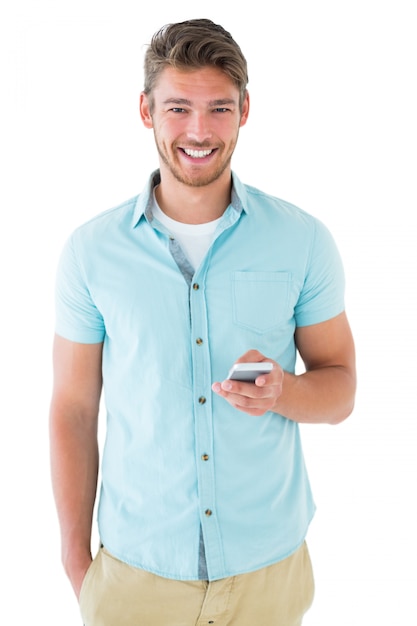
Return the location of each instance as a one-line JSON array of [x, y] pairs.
[[221, 110], [177, 110]]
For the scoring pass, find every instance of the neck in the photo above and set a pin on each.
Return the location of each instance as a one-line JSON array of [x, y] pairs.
[[193, 205]]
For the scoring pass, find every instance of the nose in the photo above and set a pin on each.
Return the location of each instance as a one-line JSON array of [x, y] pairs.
[[198, 128]]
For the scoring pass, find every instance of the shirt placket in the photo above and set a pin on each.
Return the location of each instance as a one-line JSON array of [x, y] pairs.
[[202, 401], [203, 420], [203, 411]]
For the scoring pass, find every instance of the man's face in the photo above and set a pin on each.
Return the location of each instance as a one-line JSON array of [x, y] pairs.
[[196, 120]]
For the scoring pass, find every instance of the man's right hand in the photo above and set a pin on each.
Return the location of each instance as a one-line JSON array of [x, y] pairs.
[[76, 572]]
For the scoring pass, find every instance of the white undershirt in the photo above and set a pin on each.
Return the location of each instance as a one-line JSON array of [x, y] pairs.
[[194, 239]]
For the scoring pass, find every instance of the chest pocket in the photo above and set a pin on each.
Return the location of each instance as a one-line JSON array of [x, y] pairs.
[[260, 299]]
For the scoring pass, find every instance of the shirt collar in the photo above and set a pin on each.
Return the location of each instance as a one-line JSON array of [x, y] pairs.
[[145, 199]]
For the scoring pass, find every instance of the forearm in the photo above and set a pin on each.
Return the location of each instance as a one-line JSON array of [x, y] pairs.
[[74, 468], [324, 395]]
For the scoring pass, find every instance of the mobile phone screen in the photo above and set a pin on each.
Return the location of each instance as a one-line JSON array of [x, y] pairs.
[[249, 372]]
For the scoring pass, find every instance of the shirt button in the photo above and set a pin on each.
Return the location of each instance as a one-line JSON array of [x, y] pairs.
[[208, 512], [202, 400], [205, 457], [196, 286], [199, 341]]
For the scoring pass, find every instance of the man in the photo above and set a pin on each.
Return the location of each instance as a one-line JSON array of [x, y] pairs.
[[205, 501]]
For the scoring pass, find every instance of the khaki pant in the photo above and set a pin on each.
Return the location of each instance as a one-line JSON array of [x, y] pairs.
[[116, 594]]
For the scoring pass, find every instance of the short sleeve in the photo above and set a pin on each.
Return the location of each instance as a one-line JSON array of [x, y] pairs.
[[322, 295], [77, 317]]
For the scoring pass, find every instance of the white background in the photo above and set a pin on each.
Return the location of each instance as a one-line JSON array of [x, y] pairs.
[[332, 129]]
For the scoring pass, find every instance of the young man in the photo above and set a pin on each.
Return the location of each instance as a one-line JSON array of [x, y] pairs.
[[205, 501]]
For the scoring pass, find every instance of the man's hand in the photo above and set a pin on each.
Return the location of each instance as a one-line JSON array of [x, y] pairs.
[[253, 398], [323, 394], [76, 571]]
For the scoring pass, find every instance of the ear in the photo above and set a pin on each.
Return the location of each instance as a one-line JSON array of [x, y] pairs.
[[245, 110], [144, 110]]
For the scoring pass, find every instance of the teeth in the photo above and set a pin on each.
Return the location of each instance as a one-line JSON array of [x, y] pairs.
[[197, 154]]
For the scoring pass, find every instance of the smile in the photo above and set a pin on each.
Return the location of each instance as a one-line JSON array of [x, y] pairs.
[[197, 154]]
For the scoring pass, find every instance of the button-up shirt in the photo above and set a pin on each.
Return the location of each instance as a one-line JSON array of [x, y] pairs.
[[179, 463]]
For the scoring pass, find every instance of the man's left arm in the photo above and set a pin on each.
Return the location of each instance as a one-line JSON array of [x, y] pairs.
[[324, 393]]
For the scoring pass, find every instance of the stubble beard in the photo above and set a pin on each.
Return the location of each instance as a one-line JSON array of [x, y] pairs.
[[200, 179]]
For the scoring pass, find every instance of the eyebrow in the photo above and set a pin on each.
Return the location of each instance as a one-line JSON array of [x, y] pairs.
[[211, 103]]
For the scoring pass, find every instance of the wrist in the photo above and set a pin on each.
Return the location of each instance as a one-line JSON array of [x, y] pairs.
[[76, 565]]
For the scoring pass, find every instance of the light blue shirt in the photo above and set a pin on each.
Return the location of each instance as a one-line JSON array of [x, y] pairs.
[[179, 461]]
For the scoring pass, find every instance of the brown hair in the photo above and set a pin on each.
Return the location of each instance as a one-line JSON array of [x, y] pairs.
[[195, 44]]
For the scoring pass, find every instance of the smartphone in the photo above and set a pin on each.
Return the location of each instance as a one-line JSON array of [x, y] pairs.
[[249, 372]]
